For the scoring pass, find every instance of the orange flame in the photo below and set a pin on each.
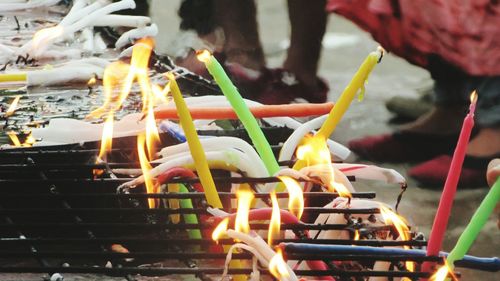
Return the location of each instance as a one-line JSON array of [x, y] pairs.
[[275, 223], [314, 151], [245, 198], [220, 229], [14, 139], [107, 137], [278, 267], [203, 55], [296, 200], [403, 230], [146, 168], [12, 107]]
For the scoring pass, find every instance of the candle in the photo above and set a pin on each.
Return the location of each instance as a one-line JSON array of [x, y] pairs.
[[249, 122], [357, 83], [264, 111], [200, 160], [13, 77], [450, 187], [475, 225]]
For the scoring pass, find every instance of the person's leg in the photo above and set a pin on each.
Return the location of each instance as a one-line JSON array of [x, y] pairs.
[[308, 24], [242, 43], [451, 91]]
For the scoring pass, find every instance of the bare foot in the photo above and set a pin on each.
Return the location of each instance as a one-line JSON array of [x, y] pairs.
[[438, 121], [485, 143]]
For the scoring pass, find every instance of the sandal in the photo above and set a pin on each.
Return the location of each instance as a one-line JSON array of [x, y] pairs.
[[433, 173]]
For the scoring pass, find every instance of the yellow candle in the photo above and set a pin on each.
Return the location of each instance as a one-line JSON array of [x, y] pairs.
[[342, 104], [13, 77], [200, 160]]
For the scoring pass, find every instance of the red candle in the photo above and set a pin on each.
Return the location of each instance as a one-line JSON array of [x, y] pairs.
[[450, 187]]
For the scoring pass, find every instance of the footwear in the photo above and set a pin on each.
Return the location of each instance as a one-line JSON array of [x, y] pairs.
[[408, 108], [411, 108], [403, 146], [434, 172], [283, 87]]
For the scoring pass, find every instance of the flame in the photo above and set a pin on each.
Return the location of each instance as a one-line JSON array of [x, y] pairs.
[[296, 200], [278, 267], [275, 223], [13, 106], [473, 97], [152, 135], [161, 94], [121, 76], [92, 81], [245, 198], [146, 168], [403, 230], [220, 229], [107, 136], [314, 151], [114, 76], [356, 235], [203, 55], [443, 272], [14, 139]]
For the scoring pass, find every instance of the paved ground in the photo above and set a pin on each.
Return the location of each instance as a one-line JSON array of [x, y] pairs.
[[345, 48]]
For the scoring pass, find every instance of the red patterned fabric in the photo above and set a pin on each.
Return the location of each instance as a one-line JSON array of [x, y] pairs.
[[465, 33]]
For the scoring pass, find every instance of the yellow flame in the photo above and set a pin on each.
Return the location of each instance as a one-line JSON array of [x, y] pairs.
[[14, 139], [278, 267], [46, 34], [356, 235], [12, 107], [443, 272], [473, 97], [161, 95], [203, 55], [152, 135], [440, 274], [314, 151], [107, 136], [113, 78], [296, 200], [401, 226], [275, 223], [92, 81], [220, 229], [245, 198], [146, 168]]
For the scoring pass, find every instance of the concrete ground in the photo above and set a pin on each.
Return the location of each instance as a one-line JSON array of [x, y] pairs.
[[345, 47]]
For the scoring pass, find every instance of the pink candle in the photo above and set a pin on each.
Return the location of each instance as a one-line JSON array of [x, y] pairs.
[[450, 187]]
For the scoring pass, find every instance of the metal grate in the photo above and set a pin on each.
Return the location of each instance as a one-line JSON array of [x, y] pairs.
[[56, 217]]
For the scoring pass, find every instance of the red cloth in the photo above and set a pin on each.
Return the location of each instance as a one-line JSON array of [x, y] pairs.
[[463, 33]]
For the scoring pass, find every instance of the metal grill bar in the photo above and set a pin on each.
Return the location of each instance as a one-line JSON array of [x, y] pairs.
[[205, 270], [173, 241]]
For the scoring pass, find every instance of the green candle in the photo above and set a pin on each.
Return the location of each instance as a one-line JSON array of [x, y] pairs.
[[475, 225], [249, 122], [189, 218]]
